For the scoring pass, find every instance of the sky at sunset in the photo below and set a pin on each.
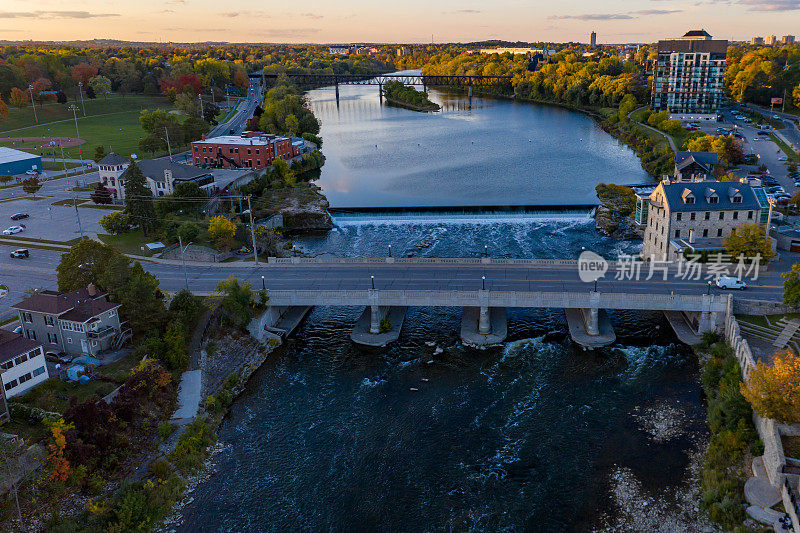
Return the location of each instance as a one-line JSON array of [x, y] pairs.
[[327, 21]]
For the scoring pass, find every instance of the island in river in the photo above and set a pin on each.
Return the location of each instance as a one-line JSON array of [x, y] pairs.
[[401, 95]]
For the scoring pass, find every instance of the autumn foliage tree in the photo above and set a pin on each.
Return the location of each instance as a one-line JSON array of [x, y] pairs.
[[773, 388], [82, 72], [222, 231], [18, 98], [57, 457]]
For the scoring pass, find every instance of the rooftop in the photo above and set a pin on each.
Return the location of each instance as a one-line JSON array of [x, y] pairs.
[[13, 344], [9, 155], [112, 159], [693, 46], [255, 140], [154, 169], [703, 191], [72, 305], [704, 159], [696, 34]]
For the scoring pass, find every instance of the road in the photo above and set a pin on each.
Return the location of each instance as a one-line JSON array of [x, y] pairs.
[[245, 110], [38, 271]]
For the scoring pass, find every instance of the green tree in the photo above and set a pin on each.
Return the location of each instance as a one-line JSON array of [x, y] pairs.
[[791, 285], [237, 301], [170, 348], [187, 104], [136, 290], [188, 232], [139, 200], [626, 105], [83, 264], [101, 85], [749, 240], [115, 222], [31, 185], [99, 153], [5, 178], [281, 171], [184, 308]]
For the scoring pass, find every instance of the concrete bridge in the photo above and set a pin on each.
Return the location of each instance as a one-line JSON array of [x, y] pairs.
[[689, 306]]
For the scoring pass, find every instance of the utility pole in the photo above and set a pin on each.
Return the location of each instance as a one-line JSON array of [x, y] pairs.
[[77, 215], [64, 161], [252, 231], [35, 117], [783, 101], [168, 147], [80, 90], [200, 97], [74, 109], [185, 276]]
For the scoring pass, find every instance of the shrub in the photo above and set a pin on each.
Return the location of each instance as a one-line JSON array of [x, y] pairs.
[[385, 326], [160, 469], [189, 453], [166, 429]]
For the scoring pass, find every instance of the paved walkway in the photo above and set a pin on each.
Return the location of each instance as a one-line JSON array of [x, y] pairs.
[[189, 395], [668, 137], [788, 332]]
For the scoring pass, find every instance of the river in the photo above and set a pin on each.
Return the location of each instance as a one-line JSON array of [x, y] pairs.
[[427, 435]]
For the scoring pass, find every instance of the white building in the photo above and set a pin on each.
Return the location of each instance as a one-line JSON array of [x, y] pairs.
[[110, 168], [162, 175], [22, 363]]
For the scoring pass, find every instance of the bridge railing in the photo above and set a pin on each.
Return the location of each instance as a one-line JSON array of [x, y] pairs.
[[534, 299]]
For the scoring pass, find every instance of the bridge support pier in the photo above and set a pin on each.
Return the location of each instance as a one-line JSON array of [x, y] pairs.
[[367, 330], [590, 327], [482, 326], [380, 92], [469, 93], [337, 93]]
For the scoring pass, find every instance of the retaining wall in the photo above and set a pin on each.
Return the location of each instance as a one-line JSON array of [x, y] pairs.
[[743, 306]]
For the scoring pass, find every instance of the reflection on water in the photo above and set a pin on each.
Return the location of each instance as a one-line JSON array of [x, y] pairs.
[[497, 153]]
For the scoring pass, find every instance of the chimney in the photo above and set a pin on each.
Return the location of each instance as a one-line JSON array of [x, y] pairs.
[[91, 289], [691, 236]]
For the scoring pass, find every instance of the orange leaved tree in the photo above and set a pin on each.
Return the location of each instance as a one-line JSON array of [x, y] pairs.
[[773, 388]]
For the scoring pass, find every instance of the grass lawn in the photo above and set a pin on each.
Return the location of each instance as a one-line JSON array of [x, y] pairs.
[[34, 239], [127, 243], [29, 198], [113, 123], [756, 320], [54, 394], [791, 154], [50, 165]]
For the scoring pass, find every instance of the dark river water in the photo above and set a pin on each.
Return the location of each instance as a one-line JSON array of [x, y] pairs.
[[429, 435]]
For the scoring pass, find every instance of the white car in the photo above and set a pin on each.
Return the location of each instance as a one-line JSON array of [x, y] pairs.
[[13, 229], [730, 282], [783, 158]]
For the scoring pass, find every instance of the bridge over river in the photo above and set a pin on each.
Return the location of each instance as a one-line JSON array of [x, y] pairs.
[[484, 287]]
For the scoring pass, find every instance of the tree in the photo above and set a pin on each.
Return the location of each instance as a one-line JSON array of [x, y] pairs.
[[184, 308], [83, 264], [59, 464], [727, 148], [237, 301], [115, 222], [99, 153], [626, 105], [82, 72], [749, 240], [31, 185], [187, 104], [188, 232], [136, 290], [773, 388], [3, 109], [90, 94], [5, 178], [100, 85], [282, 171], [222, 231], [139, 199], [170, 348], [19, 98], [101, 194], [791, 285], [61, 97]]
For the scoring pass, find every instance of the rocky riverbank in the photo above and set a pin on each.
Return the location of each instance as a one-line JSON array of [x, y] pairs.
[[614, 217]]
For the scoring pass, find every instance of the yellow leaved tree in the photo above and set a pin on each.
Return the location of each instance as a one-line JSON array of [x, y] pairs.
[[773, 388]]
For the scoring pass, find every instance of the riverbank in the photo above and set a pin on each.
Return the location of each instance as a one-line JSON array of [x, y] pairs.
[[405, 105]]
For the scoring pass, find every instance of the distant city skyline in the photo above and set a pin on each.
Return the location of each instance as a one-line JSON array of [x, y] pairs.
[[414, 21]]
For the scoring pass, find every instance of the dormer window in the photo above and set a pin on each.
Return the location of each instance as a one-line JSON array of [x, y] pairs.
[[688, 196], [713, 199]]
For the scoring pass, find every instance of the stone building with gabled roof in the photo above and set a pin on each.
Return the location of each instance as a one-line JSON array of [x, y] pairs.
[[695, 166], [696, 216]]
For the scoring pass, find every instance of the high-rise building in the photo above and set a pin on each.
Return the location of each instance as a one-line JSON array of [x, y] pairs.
[[593, 39], [787, 39], [757, 40], [689, 74], [770, 40]]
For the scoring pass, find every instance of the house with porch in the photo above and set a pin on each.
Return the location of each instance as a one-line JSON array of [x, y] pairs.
[[78, 322], [695, 166]]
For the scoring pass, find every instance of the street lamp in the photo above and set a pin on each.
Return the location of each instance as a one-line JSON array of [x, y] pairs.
[[390, 250], [183, 249], [80, 90], [74, 110], [483, 283], [35, 117], [709, 288], [485, 250], [263, 284], [372, 278]]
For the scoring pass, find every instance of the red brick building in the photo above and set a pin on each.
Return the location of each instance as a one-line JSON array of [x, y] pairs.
[[251, 149]]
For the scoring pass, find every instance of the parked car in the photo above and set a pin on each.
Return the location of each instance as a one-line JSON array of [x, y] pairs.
[[19, 216], [691, 128], [18, 329], [13, 229], [776, 117], [783, 158], [747, 120], [730, 282], [763, 133], [31, 172], [782, 201], [20, 253]]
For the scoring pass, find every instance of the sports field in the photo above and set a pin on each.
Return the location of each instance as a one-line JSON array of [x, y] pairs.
[[113, 123]]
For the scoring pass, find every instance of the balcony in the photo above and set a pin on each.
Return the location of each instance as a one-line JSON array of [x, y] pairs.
[[103, 333]]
